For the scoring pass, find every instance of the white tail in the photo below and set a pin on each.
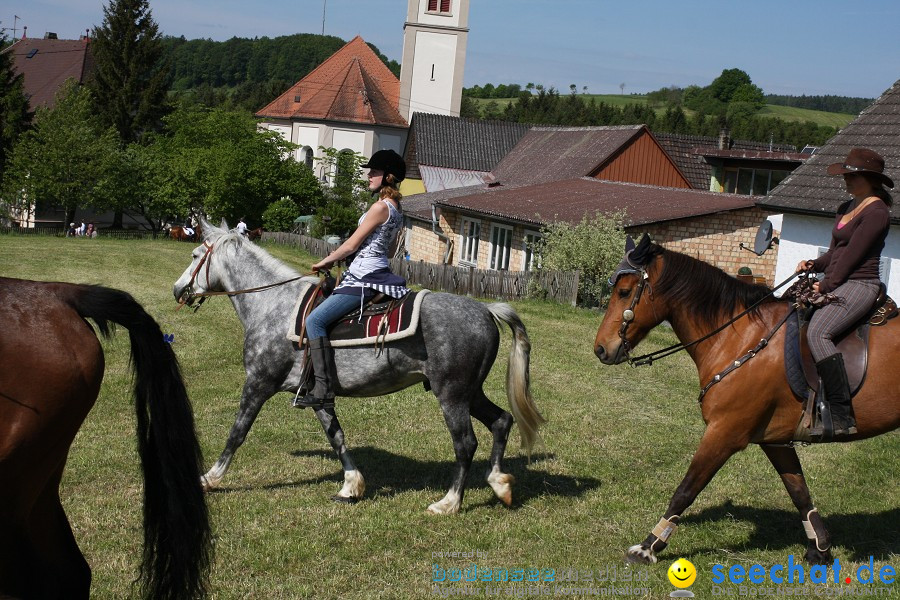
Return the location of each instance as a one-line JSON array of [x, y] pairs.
[[518, 379]]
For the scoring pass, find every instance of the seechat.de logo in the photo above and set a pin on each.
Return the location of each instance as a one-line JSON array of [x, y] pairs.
[[797, 573]]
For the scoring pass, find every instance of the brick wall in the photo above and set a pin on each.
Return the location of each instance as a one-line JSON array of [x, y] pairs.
[[715, 239]]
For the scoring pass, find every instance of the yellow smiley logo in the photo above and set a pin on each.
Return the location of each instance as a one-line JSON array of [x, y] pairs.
[[682, 573]]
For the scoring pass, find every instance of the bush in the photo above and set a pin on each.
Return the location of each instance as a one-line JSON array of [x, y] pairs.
[[594, 246], [280, 215]]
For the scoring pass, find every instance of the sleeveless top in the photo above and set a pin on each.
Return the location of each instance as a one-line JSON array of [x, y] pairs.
[[370, 268]]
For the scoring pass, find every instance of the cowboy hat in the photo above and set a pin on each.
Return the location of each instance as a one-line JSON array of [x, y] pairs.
[[862, 160]]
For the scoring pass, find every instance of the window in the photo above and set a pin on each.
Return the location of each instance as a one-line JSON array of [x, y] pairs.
[[529, 248], [501, 242], [439, 6], [752, 182], [468, 254], [306, 156]]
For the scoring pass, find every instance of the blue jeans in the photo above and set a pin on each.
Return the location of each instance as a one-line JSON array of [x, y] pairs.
[[332, 308]]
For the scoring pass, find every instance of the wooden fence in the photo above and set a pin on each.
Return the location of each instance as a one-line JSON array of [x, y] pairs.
[[479, 283]]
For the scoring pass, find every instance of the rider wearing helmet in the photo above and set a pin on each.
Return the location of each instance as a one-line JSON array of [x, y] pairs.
[[367, 275]]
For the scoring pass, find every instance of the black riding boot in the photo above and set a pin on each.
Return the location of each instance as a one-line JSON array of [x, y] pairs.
[[837, 393], [322, 394]]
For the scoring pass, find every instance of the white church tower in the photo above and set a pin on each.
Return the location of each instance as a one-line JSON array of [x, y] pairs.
[[434, 54]]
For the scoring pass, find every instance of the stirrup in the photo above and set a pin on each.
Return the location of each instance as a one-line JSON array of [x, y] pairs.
[[312, 402]]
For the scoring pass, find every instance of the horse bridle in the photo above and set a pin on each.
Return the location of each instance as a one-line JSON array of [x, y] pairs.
[[628, 313], [188, 297]]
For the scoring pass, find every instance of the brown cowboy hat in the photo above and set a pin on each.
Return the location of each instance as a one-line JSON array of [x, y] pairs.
[[862, 160]]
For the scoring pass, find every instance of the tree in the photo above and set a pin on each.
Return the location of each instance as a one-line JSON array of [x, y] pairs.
[[594, 246], [725, 85], [280, 215], [64, 159], [219, 163], [15, 117], [130, 81], [345, 194]]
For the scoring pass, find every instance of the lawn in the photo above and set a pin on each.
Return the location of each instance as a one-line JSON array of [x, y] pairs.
[[786, 113], [617, 443]]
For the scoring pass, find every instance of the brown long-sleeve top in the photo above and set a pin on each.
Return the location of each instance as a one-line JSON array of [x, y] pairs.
[[855, 249]]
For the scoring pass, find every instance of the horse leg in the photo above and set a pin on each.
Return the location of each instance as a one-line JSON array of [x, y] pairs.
[[354, 484], [459, 422], [716, 447], [253, 397], [500, 423], [787, 463]]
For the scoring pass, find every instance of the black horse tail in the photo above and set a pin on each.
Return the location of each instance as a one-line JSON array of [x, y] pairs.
[[518, 378], [177, 539]]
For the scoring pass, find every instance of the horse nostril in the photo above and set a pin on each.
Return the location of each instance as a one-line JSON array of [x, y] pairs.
[[600, 351]]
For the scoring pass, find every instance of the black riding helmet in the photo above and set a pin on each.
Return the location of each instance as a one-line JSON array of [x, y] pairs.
[[388, 161]]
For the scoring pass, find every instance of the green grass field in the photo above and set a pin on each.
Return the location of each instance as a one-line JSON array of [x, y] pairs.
[[617, 443], [786, 113]]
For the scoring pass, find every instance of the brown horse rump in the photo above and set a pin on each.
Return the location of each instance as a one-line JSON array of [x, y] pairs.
[[380, 322]]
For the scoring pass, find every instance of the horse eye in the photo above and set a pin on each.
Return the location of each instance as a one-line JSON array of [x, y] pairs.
[[623, 293]]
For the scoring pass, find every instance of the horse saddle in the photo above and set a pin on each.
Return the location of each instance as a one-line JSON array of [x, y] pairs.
[[382, 319], [800, 365]]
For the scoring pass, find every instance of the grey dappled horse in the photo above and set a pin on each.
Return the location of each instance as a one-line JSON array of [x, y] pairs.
[[453, 350]]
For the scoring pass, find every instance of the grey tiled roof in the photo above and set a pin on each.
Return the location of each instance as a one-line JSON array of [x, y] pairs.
[[555, 153], [458, 143], [698, 172], [810, 190]]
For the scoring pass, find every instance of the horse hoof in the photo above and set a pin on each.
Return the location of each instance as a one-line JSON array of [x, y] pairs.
[[344, 499], [501, 483], [814, 556], [207, 484], [640, 555]]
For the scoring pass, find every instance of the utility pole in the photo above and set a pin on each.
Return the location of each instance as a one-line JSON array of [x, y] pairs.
[[324, 2]]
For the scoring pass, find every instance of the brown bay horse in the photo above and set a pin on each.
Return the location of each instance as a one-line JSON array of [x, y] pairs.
[[754, 403], [52, 367]]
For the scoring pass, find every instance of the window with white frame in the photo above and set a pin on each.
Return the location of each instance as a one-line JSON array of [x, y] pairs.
[[529, 251], [468, 243], [306, 156], [501, 244]]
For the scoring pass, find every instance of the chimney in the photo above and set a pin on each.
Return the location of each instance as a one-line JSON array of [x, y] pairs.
[[50, 36], [724, 139]]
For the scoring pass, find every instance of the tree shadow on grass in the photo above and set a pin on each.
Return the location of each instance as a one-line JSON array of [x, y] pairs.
[[388, 474], [861, 534]]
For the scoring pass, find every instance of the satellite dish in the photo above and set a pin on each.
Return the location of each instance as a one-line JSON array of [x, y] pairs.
[[764, 239]]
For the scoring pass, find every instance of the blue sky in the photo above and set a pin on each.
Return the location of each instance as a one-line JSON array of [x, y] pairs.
[[791, 47]]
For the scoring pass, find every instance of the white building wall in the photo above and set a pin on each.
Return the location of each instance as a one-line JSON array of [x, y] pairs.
[[433, 73], [802, 237]]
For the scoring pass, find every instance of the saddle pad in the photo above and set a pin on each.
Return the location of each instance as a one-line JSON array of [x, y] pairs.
[[401, 322]]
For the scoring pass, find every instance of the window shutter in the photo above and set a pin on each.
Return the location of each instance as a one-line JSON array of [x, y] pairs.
[[445, 6], [432, 5]]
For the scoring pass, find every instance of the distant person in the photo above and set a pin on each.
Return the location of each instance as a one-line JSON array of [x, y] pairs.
[[90, 232], [241, 226], [70, 232], [851, 273], [188, 231], [82, 229]]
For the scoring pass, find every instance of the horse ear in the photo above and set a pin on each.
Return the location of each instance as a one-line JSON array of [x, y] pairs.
[[641, 253], [224, 224], [629, 244]]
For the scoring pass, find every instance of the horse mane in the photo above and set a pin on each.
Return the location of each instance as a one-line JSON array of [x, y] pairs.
[[712, 294], [233, 241]]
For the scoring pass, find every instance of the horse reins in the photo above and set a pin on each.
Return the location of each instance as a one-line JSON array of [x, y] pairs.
[[204, 295], [647, 359]]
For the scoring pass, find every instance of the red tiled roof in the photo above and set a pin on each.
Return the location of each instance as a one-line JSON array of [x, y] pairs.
[[351, 85], [571, 200], [51, 63]]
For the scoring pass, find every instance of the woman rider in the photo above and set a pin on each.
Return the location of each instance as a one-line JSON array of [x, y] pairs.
[[367, 275]]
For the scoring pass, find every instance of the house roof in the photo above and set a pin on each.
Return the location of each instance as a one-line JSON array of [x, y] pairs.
[[683, 149], [555, 153], [458, 143], [569, 201], [47, 63], [352, 85], [810, 190]]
